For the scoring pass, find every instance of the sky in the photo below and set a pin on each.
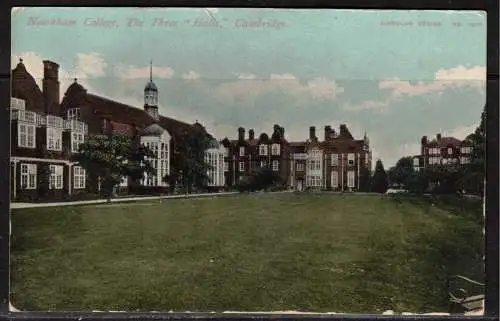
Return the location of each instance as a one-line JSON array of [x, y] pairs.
[[396, 75]]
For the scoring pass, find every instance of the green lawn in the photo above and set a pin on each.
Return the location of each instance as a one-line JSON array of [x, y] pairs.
[[362, 254]]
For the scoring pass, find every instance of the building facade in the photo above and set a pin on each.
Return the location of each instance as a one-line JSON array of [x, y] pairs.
[[446, 151], [46, 132], [332, 163], [244, 155]]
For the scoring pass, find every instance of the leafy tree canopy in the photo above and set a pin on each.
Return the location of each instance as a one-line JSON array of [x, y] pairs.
[[112, 157], [379, 180]]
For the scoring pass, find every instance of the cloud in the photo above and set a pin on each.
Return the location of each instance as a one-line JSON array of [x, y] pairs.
[[459, 76], [248, 88], [86, 66], [191, 75], [133, 72], [366, 105], [461, 132], [245, 76]]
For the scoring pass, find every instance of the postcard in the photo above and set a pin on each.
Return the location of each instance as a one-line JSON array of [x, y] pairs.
[[252, 160]]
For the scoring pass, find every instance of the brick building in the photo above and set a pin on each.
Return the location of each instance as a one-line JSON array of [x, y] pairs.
[[333, 163], [46, 132], [448, 151], [42, 142], [245, 154]]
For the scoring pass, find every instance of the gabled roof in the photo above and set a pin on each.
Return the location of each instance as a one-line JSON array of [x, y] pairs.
[[125, 114], [24, 86], [444, 142]]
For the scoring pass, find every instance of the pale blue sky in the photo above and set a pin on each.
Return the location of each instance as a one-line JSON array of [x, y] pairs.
[[321, 67]]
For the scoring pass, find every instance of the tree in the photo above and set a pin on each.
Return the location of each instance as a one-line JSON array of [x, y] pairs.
[[364, 179], [260, 178], [474, 173], [189, 166], [402, 172], [112, 157], [379, 179]]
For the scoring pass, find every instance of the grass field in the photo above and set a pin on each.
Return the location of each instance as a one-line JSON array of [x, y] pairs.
[[362, 254]]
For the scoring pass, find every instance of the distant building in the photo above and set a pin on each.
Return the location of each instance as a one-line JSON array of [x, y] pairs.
[[334, 163], [447, 151], [243, 155]]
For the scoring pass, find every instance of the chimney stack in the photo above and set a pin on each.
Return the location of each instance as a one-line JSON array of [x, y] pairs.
[[241, 134], [51, 87], [312, 132], [438, 136], [282, 131], [328, 130], [343, 129], [251, 134]]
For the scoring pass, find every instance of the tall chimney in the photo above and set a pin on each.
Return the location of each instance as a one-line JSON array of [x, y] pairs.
[[343, 129], [251, 134], [282, 131], [438, 136], [51, 87], [423, 144], [328, 130], [241, 134], [312, 132]]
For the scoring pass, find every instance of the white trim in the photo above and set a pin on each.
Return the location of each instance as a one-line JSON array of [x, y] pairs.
[[27, 127], [56, 176], [30, 175], [79, 177], [54, 138]]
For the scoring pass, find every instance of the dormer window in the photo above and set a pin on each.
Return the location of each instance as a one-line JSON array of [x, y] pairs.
[[74, 114], [242, 151], [275, 149], [263, 150]]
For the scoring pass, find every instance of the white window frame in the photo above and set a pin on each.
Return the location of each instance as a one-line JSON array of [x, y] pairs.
[[351, 181], [56, 176], [78, 177], [276, 165], [275, 149], [73, 114], [335, 159], [313, 180], [263, 150], [335, 179], [29, 173], [464, 160], [242, 150], [226, 152], [226, 166], [77, 138], [54, 139], [466, 150], [450, 151], [300, 167], [241, 166], [27, 131], [350, 159]]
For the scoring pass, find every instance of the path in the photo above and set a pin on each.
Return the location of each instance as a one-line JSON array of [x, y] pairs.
[[116, 200]]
